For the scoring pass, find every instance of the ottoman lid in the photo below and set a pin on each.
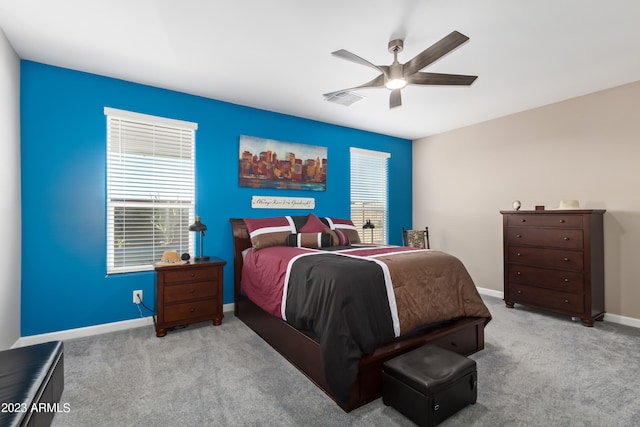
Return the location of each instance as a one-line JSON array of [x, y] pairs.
[[429, 368]]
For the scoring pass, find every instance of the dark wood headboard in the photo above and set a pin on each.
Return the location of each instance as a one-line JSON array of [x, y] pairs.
[[241, 241]]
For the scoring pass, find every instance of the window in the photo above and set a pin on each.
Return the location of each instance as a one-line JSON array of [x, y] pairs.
[[150, 189], [369, 193]]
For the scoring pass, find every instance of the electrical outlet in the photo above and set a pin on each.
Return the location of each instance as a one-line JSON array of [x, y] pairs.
[[137, 294]]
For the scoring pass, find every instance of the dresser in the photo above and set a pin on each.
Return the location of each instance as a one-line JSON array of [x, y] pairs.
[[554, 260], [188, 293]]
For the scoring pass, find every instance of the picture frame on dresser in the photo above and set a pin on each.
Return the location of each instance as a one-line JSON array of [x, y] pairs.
[[554, 260]]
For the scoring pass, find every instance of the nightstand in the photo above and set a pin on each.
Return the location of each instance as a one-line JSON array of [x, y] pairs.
[[189, 293]]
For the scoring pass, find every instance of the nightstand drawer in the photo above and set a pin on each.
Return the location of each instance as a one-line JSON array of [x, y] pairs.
[[545, 237], [546, 298], [534, 220], [568, 281], [190, 311], [189, 291], [191, 274], [552, 258]]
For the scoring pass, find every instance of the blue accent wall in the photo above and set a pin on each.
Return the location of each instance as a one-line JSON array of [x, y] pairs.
[[63, 142]]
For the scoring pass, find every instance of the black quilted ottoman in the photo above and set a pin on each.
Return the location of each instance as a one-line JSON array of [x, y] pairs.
[[429, 384], [31, 384]]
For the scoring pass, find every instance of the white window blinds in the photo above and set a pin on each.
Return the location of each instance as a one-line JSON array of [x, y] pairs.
[[369, 193], [150, 189]]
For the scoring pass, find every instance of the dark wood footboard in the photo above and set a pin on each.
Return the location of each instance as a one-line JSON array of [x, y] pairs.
[[464, 336]]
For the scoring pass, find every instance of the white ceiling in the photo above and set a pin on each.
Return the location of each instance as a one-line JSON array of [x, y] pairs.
[[275, 54]]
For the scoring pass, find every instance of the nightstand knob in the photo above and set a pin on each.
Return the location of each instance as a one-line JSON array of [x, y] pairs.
[[566, 280], [518, 235], [562, 220], [519, 292], [192, 310], [523, 220], [193, 274], [518, 254], [566, 301], [565, 238], [566, 259], [518, 273]]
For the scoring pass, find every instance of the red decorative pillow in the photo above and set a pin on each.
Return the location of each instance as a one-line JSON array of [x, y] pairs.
[[345, 227], [265, 232], [339, 238], [313, 225]]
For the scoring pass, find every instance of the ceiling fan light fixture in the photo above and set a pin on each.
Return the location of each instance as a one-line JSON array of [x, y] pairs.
[[394, 84]]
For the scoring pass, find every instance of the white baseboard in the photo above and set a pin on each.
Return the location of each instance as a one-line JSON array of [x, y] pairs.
[[93, 330], [614, 318], [623, 320], [86, 331], [145, 321], [491, 292]]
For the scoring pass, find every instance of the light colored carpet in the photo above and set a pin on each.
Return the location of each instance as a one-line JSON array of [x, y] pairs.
[[537, 369]]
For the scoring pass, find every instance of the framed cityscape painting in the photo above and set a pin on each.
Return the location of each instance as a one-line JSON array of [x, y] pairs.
[[267, 163]]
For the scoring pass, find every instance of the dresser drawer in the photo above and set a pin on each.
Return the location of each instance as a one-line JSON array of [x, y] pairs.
[[551, 258], [569, 281], [546, 298], [190, 311], [564, 239], [190, 274], [190, 290], [537, 220]]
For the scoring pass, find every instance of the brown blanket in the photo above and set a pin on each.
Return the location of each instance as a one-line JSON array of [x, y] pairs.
[[431, 286]]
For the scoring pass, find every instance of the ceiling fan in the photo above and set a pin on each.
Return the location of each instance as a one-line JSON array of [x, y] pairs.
[[396, 76]]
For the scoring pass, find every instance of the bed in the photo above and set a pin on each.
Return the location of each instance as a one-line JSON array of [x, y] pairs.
[[304, 346]]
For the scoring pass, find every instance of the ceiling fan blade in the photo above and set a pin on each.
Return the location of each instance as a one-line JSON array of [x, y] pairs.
[[440, 79], [377, 82], [435, 52], [395, 99], [345, 54]]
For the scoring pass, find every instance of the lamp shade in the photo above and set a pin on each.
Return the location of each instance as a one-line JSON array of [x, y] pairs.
[[197, 226]]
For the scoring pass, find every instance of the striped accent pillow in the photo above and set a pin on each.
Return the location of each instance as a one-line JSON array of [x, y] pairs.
[[346, 228], [310, 240], [266, 232]]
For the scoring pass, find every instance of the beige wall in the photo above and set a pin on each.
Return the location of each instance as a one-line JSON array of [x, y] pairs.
[[586, 148], [10, 222]]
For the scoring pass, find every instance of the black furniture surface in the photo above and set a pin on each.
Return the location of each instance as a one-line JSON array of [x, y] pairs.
[[31, 384], [429, 384]]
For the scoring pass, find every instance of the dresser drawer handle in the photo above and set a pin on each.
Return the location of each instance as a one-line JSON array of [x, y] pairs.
[[519, 292], [565, 259], [518, 254], [518, 273], [523, 220], [565, 238], [566, 301], [562, 220], [518, 235], [193, 274], [192, 310], [566, 280]]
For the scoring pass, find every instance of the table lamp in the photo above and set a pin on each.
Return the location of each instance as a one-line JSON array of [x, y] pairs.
[[199, 227], [369, 225]]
